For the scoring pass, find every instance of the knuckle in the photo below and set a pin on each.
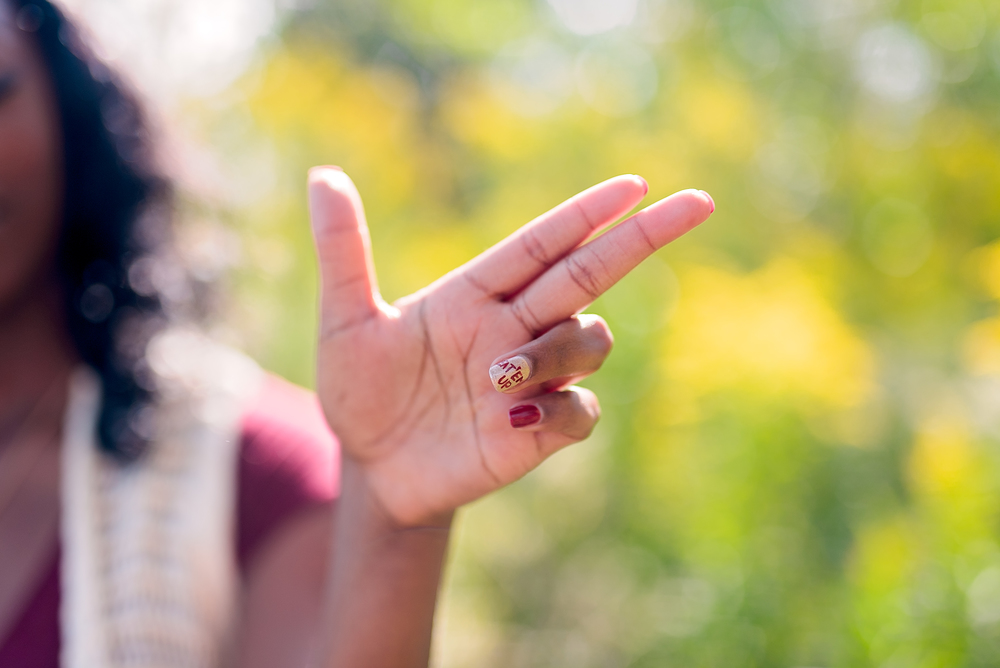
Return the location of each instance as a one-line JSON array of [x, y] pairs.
[[576, 412], [640, 231], [584, 276], [534, 248], [594, 333], [591, 405], [595, 413], [523, 314], [601, 334], [584, 214], [585, 429]]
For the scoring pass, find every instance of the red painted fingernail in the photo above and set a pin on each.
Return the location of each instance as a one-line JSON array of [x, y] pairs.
[[711, 201], [524, 416]]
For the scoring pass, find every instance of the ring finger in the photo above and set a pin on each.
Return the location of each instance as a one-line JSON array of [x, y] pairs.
[[558, 418]]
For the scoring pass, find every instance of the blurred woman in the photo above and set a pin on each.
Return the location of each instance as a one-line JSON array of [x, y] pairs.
[[163, 502]]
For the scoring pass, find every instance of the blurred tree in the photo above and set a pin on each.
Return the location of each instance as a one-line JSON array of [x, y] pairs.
[[798, 463]]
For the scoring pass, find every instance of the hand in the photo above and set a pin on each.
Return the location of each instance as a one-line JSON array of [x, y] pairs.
[[407, 387]]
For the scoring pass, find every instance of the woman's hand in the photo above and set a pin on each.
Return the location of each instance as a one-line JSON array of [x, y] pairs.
[[461, 388]]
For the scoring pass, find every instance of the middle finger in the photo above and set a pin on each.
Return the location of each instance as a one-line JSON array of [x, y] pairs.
[[572, 349], [578, 279]]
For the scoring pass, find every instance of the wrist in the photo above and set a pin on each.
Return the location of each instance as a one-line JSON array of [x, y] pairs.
[[383, 581], [360, 502]]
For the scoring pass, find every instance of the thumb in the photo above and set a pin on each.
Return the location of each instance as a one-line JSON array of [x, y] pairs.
[[348, 289]]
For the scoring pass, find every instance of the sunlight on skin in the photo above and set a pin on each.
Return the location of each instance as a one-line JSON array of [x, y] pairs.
[[426, 423]]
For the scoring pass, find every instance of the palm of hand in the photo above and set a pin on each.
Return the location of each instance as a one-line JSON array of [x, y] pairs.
[[408, 393], [406, 388]]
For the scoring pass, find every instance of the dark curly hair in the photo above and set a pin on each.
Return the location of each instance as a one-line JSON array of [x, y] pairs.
[[116, 215]]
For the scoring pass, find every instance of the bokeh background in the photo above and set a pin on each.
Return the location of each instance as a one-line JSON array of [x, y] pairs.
[[799, 459]]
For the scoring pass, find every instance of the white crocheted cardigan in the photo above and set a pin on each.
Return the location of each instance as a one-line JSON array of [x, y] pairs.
[[148, 571]]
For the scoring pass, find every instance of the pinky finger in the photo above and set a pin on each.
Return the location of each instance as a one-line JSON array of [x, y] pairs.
[[559, 418]]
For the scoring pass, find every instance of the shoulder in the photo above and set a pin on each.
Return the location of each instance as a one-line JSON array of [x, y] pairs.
[[288, 462]]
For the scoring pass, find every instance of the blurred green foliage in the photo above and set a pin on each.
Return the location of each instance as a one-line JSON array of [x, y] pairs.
[[799, 459]]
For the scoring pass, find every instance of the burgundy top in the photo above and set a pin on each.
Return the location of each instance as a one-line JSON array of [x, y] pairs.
[[288, 463]]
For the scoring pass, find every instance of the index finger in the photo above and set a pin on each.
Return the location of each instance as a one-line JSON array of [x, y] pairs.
[[586, 273], [529, 252]]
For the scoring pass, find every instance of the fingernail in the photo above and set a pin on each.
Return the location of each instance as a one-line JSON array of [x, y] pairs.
[[711, 201], [508, 374], [524, 416], [645, 186]]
